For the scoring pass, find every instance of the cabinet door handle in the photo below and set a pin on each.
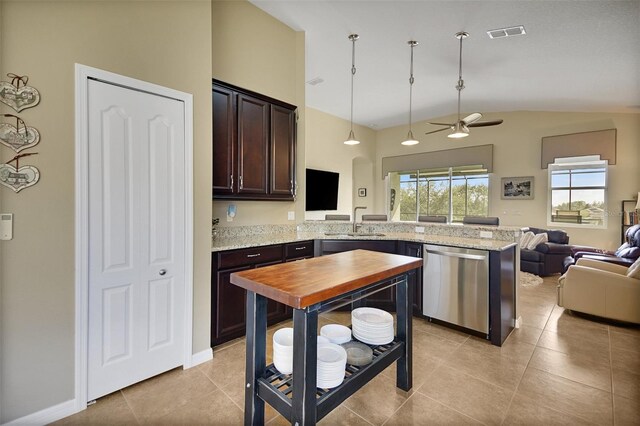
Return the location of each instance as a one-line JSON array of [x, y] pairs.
[[162, 271], [241, 185], [301, 248], [253, 255], [231, 186], [291, 186]]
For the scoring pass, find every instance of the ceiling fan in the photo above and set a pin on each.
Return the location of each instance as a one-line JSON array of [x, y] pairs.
[[461, 126]]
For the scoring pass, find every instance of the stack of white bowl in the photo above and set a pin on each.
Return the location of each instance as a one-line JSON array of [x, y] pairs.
[[332, 361], [283, 349], [372, 326]]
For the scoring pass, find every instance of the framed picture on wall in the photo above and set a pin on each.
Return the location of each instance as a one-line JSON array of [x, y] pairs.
[[517, 188], [362, 192]]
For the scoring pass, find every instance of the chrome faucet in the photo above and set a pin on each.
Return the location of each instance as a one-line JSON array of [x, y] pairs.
[[355, 225]]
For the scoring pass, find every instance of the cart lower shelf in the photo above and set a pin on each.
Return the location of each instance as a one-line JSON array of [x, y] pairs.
[[276, 388]]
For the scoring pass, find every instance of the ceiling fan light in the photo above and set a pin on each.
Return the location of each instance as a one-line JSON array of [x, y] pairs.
[[351, 140], [458, 134]]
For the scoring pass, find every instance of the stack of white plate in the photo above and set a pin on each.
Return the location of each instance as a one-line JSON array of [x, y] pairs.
[[372, 326], [336, 333], [332, 361]]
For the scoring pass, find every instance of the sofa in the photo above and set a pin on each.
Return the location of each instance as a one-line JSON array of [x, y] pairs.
[[547, 257], [625, 255], [603, 289]]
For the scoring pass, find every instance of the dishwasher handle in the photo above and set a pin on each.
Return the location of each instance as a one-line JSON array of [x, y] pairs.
[[459, 255]]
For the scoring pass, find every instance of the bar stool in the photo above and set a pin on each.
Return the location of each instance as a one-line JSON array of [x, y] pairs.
[[481, 220], [434, 219]]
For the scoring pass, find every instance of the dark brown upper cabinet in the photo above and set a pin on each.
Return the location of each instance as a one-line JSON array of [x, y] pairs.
[[254, 145]]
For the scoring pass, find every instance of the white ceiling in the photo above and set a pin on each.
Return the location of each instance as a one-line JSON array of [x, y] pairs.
[[576, 56]]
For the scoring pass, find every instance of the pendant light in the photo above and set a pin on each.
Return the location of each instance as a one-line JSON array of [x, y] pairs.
[[410, 139], [351, 140], [460, 130]]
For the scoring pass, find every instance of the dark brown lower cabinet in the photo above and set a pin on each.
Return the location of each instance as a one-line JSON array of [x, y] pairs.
[[415, 275], [228, 301]]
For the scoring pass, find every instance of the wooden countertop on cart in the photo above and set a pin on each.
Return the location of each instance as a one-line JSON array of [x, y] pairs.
[[306, 282]]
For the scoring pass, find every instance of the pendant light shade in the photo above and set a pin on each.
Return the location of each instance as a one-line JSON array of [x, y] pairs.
[[410, 139], [351, 140]]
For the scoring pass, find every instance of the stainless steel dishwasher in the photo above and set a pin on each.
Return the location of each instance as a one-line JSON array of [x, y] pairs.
[[456, 286]]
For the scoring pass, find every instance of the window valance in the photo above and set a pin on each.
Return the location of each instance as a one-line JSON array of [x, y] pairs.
[[600, 142], [468, 156]]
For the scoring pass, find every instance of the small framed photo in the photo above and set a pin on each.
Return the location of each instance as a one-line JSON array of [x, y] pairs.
[[517, 188], [362, 192]]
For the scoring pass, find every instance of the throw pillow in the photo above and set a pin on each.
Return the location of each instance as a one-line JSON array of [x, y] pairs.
[[537, 239], [634, 270], [524, 240]]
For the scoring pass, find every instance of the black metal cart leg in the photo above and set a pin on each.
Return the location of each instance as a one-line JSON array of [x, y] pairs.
[[404, 303], [305, 331], [256, 358]]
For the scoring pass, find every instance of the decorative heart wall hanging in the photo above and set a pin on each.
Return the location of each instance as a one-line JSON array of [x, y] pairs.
[[20, 136], [18, 178], [17, 97]]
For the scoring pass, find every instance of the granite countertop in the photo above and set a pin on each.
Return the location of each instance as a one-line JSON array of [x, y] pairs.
[[238, 242]]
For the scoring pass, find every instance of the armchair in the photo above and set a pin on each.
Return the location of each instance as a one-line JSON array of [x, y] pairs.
[[625, 255], [602, 289]]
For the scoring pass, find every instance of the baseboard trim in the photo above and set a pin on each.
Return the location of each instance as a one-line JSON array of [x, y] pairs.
[[48, 415], [200, 357]]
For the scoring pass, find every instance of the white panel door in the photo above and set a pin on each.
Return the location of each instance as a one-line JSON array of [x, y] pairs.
[[136, 236]]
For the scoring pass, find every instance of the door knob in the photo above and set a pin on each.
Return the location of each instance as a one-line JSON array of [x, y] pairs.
[[162, 271]]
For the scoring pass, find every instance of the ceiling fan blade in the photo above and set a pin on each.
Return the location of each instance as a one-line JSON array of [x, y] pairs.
[[472, 118], [443, 124], [485, 123], [436, 131]]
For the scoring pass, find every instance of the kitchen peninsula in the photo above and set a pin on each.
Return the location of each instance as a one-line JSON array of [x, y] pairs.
[[242, 248]]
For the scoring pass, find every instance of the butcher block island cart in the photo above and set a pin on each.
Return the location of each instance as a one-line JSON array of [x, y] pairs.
[[310, 287]]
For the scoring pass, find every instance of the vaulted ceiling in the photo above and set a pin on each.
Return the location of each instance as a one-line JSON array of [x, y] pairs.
[[575, 56]]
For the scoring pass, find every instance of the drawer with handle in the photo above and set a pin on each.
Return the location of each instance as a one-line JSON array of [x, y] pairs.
[[233, 258], [299, 249]]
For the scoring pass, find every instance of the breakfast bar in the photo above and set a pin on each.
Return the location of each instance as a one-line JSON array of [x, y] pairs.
[[310, 287]]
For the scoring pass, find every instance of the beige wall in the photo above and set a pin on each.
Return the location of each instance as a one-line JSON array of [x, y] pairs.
[[517, 145], [326, 151], [164, 42], [251, 49]]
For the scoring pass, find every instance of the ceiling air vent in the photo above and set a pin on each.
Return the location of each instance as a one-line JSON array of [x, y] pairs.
[[507, 32]]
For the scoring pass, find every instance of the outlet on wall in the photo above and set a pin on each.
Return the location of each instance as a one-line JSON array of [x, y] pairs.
[[420, 229], [486, 234], [291, 215]]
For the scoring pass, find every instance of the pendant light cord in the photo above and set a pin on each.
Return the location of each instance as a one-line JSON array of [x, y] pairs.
[[353, 38], [411, 80]]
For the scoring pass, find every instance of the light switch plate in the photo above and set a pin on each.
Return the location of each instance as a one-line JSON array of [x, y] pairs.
[[486, 234], [420, 229], [291, 215], [6, 226]]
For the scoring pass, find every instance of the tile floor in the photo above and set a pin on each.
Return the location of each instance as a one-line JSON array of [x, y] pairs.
[[558, 368]]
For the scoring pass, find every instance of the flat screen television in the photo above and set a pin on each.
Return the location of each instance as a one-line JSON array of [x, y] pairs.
[[322, 190]]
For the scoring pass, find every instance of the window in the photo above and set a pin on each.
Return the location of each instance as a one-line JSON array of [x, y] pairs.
[[452, 192], [577, 192]]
